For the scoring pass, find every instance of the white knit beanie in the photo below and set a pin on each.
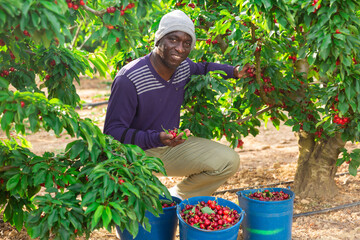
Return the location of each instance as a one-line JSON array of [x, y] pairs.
[[176, 21]]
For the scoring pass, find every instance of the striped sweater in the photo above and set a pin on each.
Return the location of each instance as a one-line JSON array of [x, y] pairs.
[[142, 104]]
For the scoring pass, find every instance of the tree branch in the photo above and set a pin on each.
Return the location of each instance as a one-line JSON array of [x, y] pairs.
[[256, 114], [93, 11], [258, 66], [76, 36], [7, 168]]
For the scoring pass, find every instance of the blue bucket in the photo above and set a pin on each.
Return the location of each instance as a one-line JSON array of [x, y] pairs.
[[162, 227], [187, 232], [267, 220]]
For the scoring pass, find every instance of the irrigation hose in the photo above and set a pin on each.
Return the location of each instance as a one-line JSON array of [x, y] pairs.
[[93, 104], [327, 209]]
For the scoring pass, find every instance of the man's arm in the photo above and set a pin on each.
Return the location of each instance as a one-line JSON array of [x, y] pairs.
[[202, 68], [120, 114]]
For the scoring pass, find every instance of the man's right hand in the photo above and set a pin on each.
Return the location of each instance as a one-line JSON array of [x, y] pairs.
[[171, 141]]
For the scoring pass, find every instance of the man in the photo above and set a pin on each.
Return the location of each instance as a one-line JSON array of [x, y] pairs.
[[146, 97]]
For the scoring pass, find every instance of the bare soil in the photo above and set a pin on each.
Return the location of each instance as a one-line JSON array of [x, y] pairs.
[[269, 158]]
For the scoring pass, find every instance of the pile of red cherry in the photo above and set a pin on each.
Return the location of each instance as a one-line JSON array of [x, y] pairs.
[[267, 195], [209, 216], [167, 203]]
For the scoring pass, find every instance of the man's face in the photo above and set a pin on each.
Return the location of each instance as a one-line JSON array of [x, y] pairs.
[[174, 48]]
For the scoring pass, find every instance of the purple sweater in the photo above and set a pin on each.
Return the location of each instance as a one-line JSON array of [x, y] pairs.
[[142, 103]]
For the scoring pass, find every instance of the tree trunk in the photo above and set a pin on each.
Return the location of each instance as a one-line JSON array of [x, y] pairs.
[[316, 166]]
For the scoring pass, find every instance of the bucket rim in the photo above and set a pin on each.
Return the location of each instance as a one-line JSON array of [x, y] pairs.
[[242, 194], [241, 213]]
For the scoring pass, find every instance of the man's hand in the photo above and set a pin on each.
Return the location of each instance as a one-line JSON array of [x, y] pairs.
[[244, 72], [171, 141]]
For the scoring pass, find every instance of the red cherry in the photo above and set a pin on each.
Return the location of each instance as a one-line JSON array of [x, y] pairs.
[[76, 7], [117, 39], [70, 5], [240, 143], [22, 104], [82, 3], [337, 31]]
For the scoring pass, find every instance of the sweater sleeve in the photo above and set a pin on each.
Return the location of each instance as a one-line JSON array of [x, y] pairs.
[[120, 113], [202, 68]]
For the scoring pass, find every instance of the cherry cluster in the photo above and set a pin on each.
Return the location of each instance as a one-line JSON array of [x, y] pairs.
[[209, 215], [122, 11], [268, 87], [341, 120], [318, 7], [26, 33], [173, 132], [5, 73], [267, 195], [167, 203], [240, 143], [319, 132], [293, 58], [208, 41], [75, 4]]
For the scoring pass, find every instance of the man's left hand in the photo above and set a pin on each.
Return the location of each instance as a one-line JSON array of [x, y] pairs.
[[243, 73]]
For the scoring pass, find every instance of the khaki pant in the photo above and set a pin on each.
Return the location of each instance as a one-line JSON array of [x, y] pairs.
[[206, 164]]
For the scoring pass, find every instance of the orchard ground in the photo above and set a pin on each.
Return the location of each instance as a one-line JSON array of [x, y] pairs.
[[265, 159]]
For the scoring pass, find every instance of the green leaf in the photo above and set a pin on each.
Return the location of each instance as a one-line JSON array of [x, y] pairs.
[[132, 189], [18, 219], [55, 23], [97, 215], [133, 228], [325, 49], [207, 210], [343, 107], [53, 217], [89, 197], [12, 182], [106, 217], [75, 222], [353, 167], [92, 207], [7, 118], [76, 149], [117, 207]]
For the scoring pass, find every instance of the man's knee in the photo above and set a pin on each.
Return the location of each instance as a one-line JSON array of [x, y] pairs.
[[233, 161]]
